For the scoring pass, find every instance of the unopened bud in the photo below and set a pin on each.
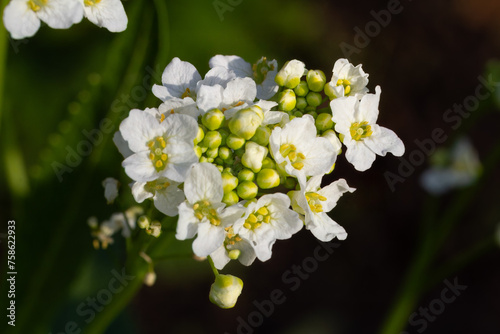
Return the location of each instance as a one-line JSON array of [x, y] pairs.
[[329, 91], [324, 122], [212, 153], [314, 99], [253, 156], [199, 135], [143, 222], [229, 182], [262, 135], [150, 278], [268, 178], [247, 190], [230, 198], [225, 291], [301, 89], [290, 183], [244, 123], [213, 119], [154, 229], [198, 151], [301, 103], [316, 80], [225, 153], [268, 163], [234, 142], [234, 254], [290, 74], [246, 175], [212, 139], [287, 100]]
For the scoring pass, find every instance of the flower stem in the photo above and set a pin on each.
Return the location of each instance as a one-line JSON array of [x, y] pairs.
[[214, 270]]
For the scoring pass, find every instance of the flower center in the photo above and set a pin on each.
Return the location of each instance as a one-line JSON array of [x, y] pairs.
[[347, 85], [360, 130], [260, 70], [203, 209], [256, 218], [36, 5], [91, 2], [314, 201], [290, 151], [231, 237], [156, 185], [156, 154], [188, 93]]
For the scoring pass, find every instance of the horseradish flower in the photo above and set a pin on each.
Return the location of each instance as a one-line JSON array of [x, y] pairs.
[[290, 74], [203, 212], [225, 291], [179, 81], [356, 120], [347, 80], [234, 247], [22, 17], [262, 72], [110, 189], [314, 202], [297, 148], [108, 14], [161, 148], [165, 193], [266, 220], [455, 168]]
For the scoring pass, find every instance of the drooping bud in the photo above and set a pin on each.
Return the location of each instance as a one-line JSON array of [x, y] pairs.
[[150, 278], [213, 119], [225, 291], [316, 80], [287, 100], [290, 74], [268, 178], [245, 122], [247, 190], [253, 156]]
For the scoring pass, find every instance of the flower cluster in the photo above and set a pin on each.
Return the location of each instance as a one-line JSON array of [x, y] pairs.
[[239, 154], [22, 17]]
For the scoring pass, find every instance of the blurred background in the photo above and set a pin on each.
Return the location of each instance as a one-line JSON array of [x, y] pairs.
[[404, 246]]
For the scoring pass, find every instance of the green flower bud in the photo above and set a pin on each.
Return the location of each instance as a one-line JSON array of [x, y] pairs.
[[244, 123], [234, 254], [301, 89], [314, 99], [230, 198], [287, 100], [198, 150], [247, 190], [268, 178], [203, 159], [246, 175], [253, 156], [234, 142], [313, 114], [310, 109], [329, 91], [199, 135], [224, 133], [225, 291], [316, 80], [212, 153], [225, 153], [143, 222], [213, 119], [290, 74], [229, 182], [324, 122], [212, 139], [298, 114], [220, 168], [262, 135], [268, 163], [301, 103], [290, 183]]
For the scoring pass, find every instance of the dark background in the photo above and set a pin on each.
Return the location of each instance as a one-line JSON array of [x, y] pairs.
[[427, 58]]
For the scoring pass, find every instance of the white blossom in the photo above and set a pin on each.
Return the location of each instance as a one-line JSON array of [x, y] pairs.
[[108, 14], [347, 80]]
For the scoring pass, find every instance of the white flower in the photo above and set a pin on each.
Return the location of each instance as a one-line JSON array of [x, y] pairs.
[[347, 80], [203, 212], [22, 17], [165, 193], [179, 81], [300, 151], [178, 106], [364, 139], [263, 72], [109, 14], [234, 247], [110, 189], [267, 220], [314, 202], [460, 169], [238, 93], [161, 149]]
